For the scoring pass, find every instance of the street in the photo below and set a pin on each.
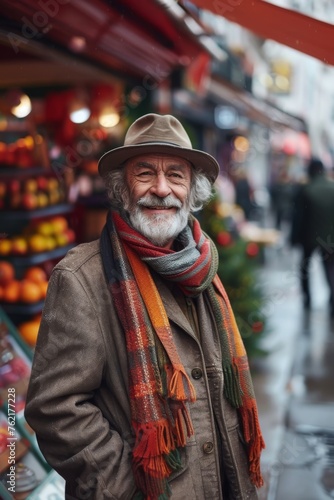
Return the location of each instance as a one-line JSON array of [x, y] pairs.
[[294, 383]]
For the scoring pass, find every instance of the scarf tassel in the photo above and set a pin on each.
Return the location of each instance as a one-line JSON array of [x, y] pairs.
[[154, 439], [179, 384], [255, 442], [151, 488], [154, 442], [154, 460], [183, 426], [173, 460]]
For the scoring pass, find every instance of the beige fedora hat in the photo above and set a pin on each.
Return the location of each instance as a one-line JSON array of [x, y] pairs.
[[155, 133]]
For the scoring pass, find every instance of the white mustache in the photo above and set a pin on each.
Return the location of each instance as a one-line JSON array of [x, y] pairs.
[[154, 201]]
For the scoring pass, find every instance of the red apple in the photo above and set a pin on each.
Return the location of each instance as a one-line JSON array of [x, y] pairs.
[[19, 246], [30, 186], [29, 201], [15, 200], [10, 154], [59, 224], [70, 235], [14, 186], [3, 149], [42, 183], [42, 199], [3, 189]]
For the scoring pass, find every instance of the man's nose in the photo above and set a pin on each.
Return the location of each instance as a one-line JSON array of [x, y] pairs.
[[160, 186]]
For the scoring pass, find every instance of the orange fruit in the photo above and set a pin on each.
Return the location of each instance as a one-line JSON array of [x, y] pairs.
[[29, 331], [59, 224], [19, 246], [11, 291], [44, 288], [29, 291], [5, 246], [7, 272], [35, 274], [37, 317]]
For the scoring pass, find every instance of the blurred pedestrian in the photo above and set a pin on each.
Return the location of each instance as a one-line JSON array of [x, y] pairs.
[[244, 196], [313, 227], [281, 198]]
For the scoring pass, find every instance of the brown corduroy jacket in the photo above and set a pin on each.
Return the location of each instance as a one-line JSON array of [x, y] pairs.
[[78, 400]]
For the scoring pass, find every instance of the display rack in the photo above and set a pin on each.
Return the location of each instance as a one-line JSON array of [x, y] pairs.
[[17, 221], [38, 258], [24, 472], [30, 196]]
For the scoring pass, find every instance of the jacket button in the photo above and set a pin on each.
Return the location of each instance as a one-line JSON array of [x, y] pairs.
[[208, 447], [196, 373]]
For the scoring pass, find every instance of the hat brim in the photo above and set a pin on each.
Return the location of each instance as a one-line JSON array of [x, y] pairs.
[[200, 160]]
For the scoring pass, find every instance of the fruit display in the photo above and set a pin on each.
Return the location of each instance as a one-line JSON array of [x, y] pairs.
[[28, 290], [29, 331], [14, 368], [39, 236], [14, 365], [20, 153], [31, 193], [35, 234]]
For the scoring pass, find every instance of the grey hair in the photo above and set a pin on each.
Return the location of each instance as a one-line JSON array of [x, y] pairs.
[[200, 190]]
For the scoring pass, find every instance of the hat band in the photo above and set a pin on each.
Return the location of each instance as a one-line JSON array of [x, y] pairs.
[[156, 142]]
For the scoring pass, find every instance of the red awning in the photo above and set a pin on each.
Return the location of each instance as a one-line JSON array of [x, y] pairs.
[[303, 33], [134, 39]]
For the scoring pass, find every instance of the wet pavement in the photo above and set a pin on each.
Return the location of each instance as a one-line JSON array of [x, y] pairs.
[[294, 384]]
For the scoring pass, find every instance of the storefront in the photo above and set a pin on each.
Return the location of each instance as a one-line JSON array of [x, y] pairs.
[[73, 77]]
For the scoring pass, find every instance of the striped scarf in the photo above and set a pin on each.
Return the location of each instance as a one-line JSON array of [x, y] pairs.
[[158, 383]]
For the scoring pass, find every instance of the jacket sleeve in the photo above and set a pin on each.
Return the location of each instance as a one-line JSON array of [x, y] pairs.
[[75, 438]]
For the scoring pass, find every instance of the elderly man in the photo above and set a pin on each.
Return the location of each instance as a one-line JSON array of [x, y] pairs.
[[140, 387]]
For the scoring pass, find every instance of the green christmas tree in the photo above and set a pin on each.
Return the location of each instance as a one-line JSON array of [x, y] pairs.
[[238, 263]]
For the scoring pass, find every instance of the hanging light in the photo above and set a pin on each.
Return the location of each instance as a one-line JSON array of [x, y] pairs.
[[23, 108], [79, 111], [80, 115], [109, 117], [77, 43], [241, 144]]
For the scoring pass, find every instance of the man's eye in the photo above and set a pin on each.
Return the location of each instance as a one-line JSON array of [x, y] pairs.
[[176, 175], [145, 173]]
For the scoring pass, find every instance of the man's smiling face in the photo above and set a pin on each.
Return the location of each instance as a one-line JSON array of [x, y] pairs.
[[159, 187]]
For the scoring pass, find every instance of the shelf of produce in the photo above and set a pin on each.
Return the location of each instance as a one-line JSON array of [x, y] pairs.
[[14, 221], [21, 309], [37, 258], [26, 215], [10, 172]]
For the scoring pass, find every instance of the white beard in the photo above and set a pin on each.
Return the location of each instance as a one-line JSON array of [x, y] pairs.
[[159, 228]]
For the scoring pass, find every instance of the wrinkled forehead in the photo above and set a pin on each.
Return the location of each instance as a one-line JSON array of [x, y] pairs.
[[157, 159]]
